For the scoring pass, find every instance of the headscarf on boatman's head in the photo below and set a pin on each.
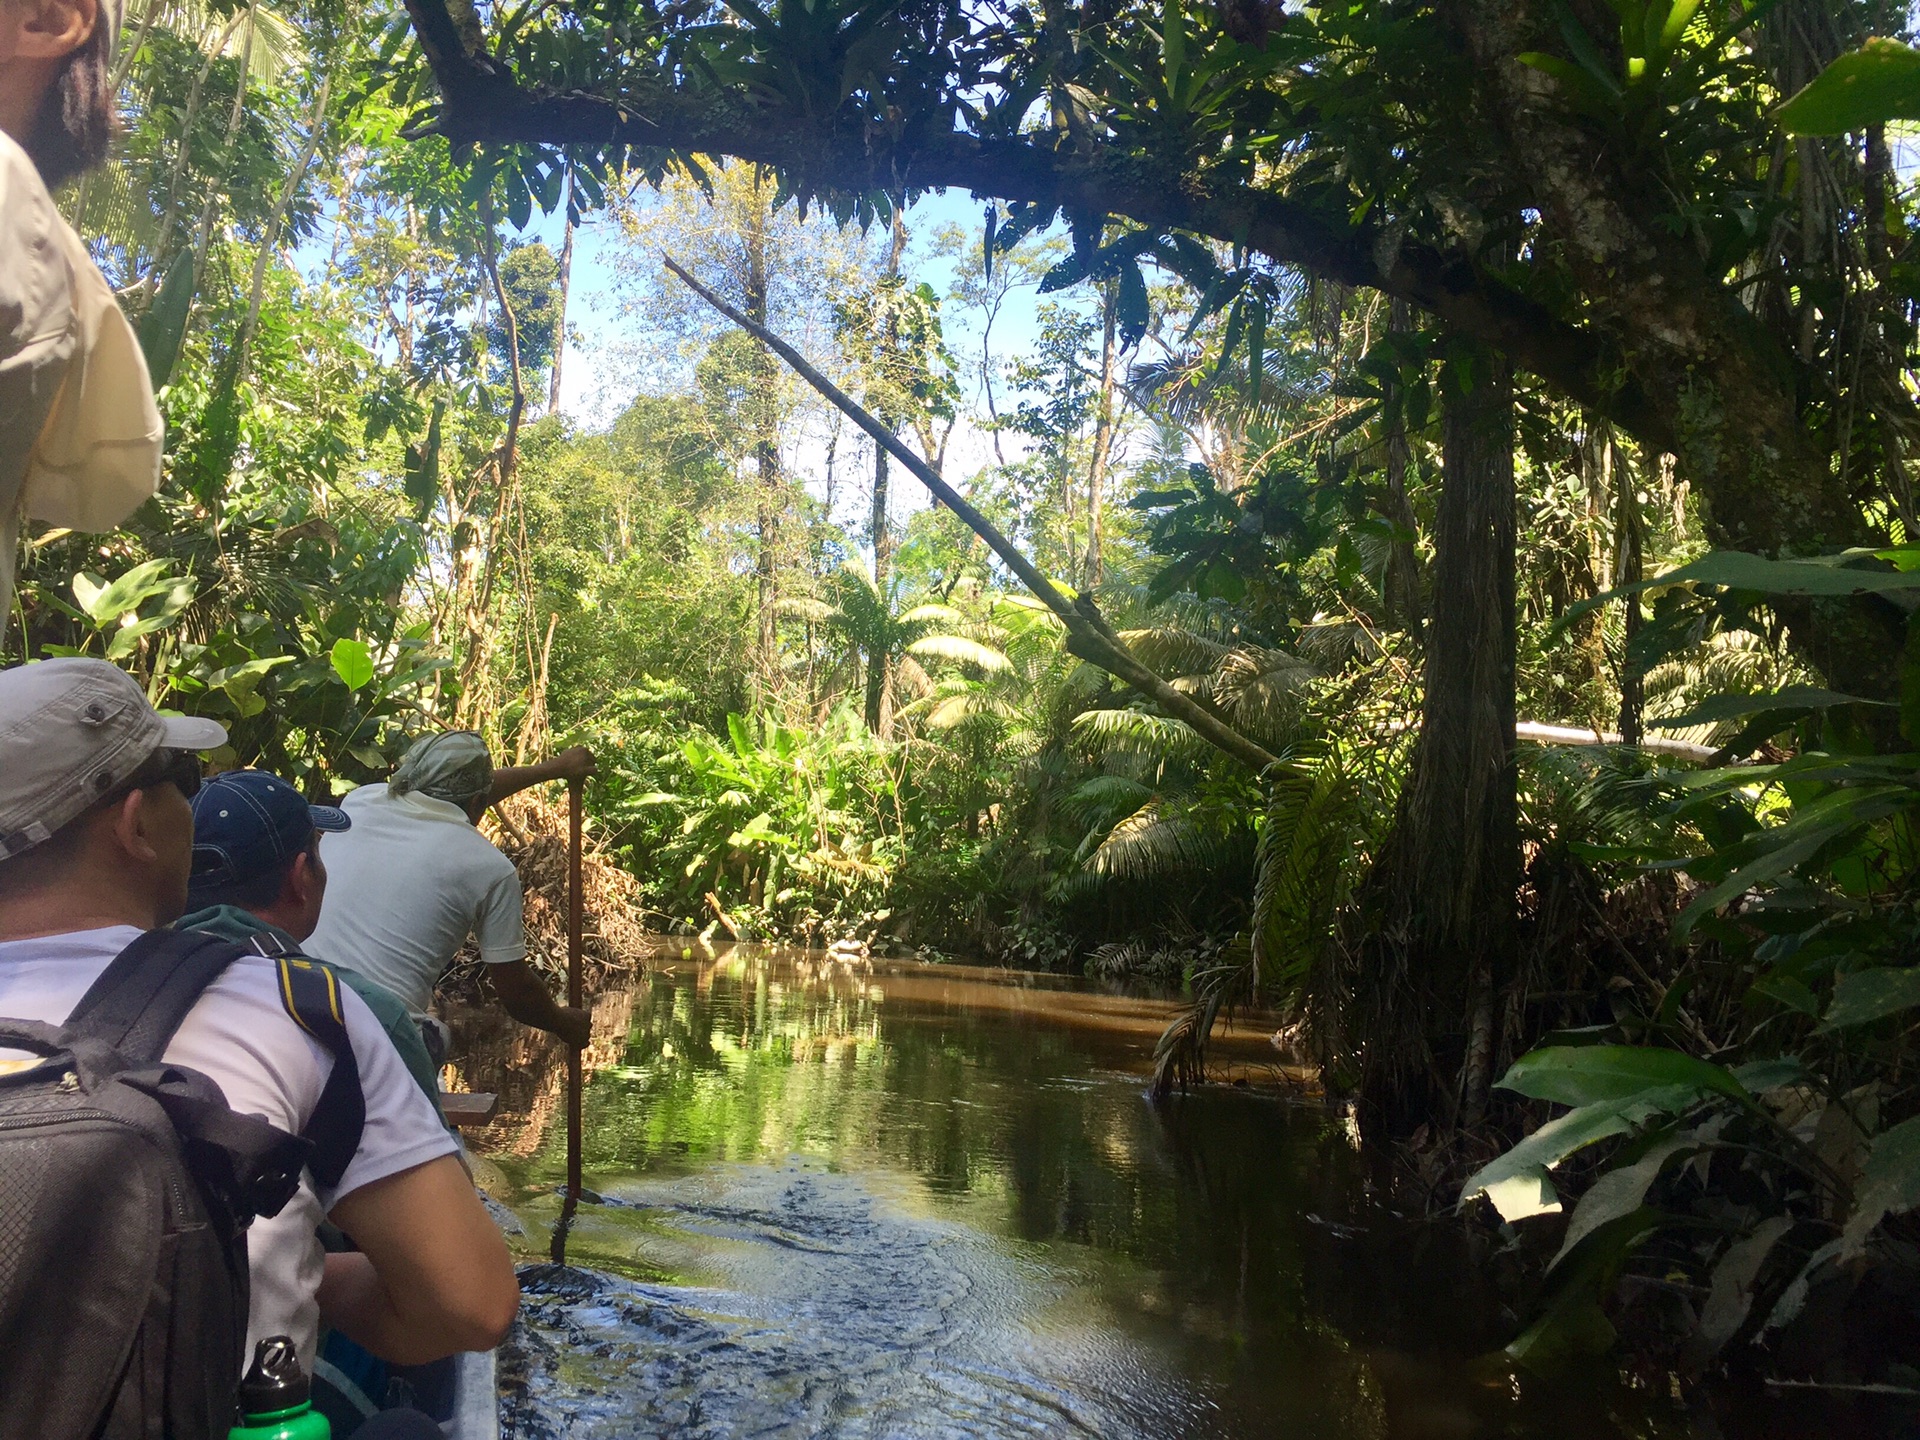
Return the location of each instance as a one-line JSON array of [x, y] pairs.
[[453, 766]]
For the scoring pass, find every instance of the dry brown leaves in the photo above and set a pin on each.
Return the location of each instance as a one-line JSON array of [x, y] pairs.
[[532, 832]]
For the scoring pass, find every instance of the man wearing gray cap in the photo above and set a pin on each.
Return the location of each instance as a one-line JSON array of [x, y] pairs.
[[413, 880], [96, 848]]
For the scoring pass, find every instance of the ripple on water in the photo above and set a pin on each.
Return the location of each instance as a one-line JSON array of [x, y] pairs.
[[837, 1315]]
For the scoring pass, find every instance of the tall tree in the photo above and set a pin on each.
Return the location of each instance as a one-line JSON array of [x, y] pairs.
[[1103, 424], [1445, 887]]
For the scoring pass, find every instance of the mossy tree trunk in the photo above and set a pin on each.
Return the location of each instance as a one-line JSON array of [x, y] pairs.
[[1443, 893]]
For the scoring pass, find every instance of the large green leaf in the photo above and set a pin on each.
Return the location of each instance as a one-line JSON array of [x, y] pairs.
[[1777, 850], [1737, 707], [105, 603], [163, 329], [1891, 1185], [242, 682], [1869, 995], [1878, 82], [1619, 1192], [1730, 1296], [1572, 1322], [353, 662], [1737, 570], [1589, 1074], [1528, 1162]]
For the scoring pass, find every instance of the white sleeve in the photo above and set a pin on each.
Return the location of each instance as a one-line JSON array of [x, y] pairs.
[[402, 1129], [500, 928]]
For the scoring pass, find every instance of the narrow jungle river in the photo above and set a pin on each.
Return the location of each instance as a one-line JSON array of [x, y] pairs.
[[907, 1200]]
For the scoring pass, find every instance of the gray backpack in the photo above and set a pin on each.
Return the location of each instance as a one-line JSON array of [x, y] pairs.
[[126, 1187]]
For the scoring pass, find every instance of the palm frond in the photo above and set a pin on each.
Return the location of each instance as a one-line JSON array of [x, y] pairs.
[[1305, 871], [934, 614], [962, 651], [1172, 650], [1107, 797], [804, 607], [1180, 1054], [952, 711], [1137, 732], [1155, 842], [1261, 689], [909, 679]]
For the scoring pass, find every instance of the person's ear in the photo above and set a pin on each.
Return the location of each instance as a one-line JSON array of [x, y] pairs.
[[133, 823], [306, 880], [51, 29]]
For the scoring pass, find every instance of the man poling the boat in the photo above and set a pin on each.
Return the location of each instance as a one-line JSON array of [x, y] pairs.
[[413, 879]]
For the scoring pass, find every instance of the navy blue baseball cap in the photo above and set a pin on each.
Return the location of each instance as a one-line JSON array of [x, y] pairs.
[[247, 823]]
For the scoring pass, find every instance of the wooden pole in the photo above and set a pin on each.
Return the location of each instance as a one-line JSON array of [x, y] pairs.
[[576, 906]]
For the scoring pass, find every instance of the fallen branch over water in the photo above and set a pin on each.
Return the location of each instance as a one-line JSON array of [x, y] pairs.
[[1089, 636]]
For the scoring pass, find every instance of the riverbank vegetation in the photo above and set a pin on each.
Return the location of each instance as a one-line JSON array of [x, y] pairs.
[[1469, 446]]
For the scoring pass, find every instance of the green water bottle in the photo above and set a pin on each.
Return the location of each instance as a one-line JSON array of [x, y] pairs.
[[275, 1401]]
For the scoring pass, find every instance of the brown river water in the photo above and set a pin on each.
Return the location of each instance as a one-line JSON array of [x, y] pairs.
[[910, 1200]]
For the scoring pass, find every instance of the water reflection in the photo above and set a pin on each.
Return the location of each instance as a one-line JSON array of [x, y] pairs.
[[933, 1201]]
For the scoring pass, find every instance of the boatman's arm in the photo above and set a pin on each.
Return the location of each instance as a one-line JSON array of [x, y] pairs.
[[523, 995], [572, 764]]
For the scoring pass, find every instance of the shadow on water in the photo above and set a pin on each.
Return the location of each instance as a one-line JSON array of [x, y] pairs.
[[933, 1201]]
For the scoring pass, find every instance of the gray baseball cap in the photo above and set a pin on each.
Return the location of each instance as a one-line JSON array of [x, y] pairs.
[[70, 731]]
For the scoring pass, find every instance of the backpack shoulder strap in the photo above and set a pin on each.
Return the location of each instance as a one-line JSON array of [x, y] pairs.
[[142, 996], [310, 993]]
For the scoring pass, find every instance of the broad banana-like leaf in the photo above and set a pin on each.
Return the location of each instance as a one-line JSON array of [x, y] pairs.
[[1618, 1192], [1574, 1131], [1587, 1074], [163, 329], [1869, 995], [1730, 1294], [1891, 1185], [105, 603], [1716, 708], [1870, 86], [1572, 1322], [1737, 570]]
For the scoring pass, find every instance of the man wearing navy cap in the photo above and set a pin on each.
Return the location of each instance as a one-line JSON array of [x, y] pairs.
[[257, 877]]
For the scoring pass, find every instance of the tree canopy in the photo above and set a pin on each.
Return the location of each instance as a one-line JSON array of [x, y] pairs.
[[1599, 191]]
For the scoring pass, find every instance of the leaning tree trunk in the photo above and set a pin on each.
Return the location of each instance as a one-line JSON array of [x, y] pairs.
[[1443, 893]]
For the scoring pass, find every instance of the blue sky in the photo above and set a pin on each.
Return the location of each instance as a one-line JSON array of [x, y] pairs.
[[595, 386], [594, 312]]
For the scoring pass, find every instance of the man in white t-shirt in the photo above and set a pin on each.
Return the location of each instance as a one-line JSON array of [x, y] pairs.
[[413, 878], [96, 846]]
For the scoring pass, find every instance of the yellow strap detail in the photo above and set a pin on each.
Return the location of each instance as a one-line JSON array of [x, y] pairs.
[[286, 995]]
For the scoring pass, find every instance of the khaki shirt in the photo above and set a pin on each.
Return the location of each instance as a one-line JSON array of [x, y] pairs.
[[80, 435]]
